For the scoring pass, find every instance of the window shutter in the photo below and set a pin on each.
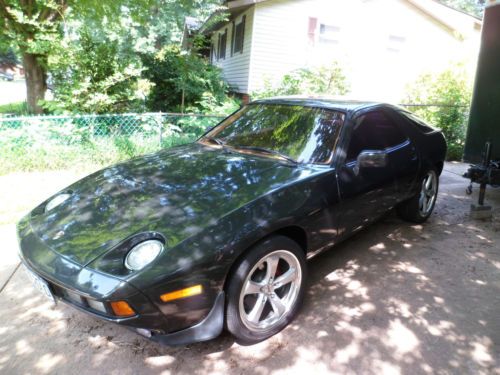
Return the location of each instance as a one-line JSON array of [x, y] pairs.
[[218, 47], [311, 32], [233, 31], [223, 45], [243, 32]]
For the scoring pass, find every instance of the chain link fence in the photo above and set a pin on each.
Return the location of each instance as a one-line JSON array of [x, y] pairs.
[[57, 142], [60, 142]]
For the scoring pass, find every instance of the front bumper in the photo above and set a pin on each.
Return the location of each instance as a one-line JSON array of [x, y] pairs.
[[80, 286]]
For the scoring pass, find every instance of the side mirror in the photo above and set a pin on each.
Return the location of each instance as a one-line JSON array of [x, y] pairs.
[[372, 159]]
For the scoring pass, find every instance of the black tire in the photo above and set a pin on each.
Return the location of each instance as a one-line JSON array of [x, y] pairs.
[[411, 210], [248, 267]]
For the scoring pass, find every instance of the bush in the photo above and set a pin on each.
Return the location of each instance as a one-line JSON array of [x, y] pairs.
[[180, 80], [451, 92], [95, 74], [325, 80]]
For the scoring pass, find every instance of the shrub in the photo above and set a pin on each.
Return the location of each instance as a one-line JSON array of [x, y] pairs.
[[449, 92], [180, 80], [325, 80], [95, 74]]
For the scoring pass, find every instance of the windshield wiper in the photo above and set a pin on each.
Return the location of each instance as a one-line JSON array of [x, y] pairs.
[[267, 151]]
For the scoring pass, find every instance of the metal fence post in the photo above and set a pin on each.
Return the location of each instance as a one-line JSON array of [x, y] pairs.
[[160, 131]]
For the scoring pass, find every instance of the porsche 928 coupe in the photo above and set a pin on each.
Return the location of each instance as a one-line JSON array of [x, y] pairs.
[[180, 244]]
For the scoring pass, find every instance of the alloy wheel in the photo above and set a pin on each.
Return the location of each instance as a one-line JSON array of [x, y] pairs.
[[428, 193], [270, 290]]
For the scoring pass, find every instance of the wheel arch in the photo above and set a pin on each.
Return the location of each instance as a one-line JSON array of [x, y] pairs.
[[439, 167], [294, 232]]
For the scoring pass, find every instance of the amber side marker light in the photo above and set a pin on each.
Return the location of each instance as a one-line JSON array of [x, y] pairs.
[[182, 293], [122, 308]]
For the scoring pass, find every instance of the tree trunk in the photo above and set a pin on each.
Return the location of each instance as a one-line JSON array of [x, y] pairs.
[[36, 81]]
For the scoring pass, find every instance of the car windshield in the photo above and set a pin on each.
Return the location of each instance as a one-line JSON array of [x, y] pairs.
[[298, 133]]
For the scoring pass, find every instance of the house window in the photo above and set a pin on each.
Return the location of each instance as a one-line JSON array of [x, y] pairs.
[[395, 43], [222, 45], [329, 34], [239, 36]]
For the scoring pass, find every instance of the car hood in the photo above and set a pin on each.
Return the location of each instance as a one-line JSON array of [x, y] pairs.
[[177, 192]]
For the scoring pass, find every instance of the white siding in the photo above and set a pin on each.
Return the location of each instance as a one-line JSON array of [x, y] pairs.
[[280, 43], [236, 68], [279, 40]]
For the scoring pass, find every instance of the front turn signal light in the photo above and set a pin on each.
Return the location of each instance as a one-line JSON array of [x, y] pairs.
[[122, 308], [182, 293]]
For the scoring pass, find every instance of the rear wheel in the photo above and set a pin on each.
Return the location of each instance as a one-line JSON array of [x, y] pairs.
[[420, 207], [265, 290]]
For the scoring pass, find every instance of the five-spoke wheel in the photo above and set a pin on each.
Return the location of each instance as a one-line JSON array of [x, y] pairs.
[[270, 290], [265, 289], [418, 208], [428, 193]]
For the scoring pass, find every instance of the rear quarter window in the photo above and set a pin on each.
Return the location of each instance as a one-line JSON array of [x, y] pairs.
[[418, 123]]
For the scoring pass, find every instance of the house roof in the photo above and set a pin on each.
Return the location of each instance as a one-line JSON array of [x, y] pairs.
[[455, 21]]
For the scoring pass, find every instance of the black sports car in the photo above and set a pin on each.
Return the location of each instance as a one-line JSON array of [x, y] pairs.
[[182, 243]]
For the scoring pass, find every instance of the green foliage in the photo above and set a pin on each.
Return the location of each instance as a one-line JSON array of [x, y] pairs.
[[211, 105], [65, 142], [449, 92], [181, 78], [96, 74], [91, 48], [19, 108], [325, 80], [37, 29], [474, 7], [163, 24]]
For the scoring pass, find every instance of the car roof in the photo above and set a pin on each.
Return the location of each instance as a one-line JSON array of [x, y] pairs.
[[322, 102]]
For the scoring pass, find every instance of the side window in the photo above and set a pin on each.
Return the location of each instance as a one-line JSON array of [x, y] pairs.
[[239, 36], [373, 131], [222, 45]]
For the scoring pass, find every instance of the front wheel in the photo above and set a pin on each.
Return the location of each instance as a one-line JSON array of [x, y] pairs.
[[420, 207], [266, 290]]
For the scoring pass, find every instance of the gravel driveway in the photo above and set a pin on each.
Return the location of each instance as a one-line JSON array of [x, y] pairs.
[[395, 299]]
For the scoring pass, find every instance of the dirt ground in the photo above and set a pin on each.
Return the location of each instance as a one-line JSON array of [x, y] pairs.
[[395, 299]]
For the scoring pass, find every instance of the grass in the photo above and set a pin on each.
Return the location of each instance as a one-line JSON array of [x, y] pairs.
[[19, 109], [51, 155]]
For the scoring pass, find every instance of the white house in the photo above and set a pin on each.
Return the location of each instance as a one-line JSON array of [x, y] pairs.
[[382, 44]]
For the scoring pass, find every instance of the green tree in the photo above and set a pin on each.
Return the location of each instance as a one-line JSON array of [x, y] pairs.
[[36, 28], [96, 74], [164, 23], [446, 97]]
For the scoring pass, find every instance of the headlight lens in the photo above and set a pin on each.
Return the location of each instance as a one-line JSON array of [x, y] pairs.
[[56, 201], [143, 254]]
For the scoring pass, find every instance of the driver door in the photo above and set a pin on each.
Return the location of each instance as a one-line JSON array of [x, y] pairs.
[[367, 192]]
